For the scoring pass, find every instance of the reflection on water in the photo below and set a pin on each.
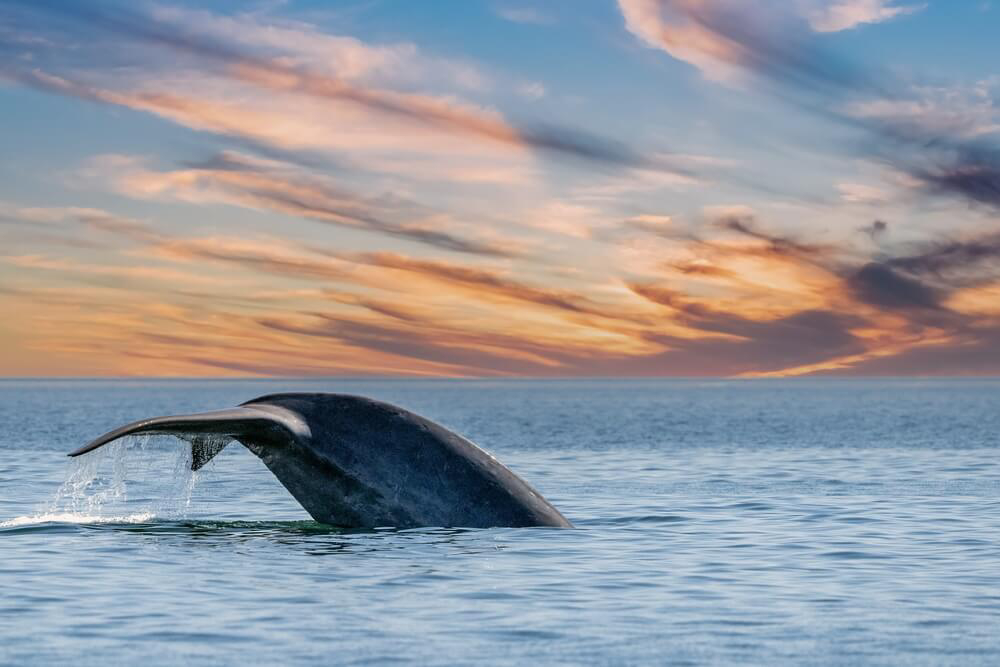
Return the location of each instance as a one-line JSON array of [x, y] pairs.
[[834, 522], [306, 537]]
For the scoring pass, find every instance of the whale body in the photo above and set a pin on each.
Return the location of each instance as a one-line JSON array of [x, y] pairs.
[[355, 462]]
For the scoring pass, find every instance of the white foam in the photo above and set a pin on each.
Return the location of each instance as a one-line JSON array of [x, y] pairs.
[[69, 517]]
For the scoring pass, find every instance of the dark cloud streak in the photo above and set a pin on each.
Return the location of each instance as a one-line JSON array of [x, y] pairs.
[[880, 285], [746, 345], [788, 54]]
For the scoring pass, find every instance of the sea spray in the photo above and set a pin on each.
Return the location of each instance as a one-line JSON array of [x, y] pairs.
[[133, 479], [85, 489]]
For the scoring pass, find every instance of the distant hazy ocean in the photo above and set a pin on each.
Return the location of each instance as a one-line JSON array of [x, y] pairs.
[[800, 522]]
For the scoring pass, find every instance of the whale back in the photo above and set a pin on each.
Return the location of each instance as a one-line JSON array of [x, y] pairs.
[[380, 465]]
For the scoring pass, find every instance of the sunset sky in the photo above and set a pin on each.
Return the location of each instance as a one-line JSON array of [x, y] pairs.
[[564, 188]]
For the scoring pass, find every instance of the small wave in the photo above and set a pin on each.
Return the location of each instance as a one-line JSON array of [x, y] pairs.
[[646, 518], [69, 517], [853, 555]]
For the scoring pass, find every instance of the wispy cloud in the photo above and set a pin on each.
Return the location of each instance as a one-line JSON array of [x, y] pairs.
[[362, 207], [522, 14], [183, 33], [266, 185], [846, 14], [723, 37], [733, 39], [838, 307]]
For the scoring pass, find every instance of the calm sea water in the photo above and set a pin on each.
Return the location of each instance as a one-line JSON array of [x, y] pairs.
[[718, 522]]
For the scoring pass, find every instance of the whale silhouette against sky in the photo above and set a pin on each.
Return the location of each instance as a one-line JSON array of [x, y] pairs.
[[355, 462]]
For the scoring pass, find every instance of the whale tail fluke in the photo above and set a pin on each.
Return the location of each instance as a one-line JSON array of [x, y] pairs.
[[355, 462], [210, 432]]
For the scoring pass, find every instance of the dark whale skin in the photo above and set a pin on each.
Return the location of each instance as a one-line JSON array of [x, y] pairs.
[[355, 462]]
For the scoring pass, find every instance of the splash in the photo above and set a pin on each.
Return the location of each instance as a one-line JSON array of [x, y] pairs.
[[132, 480], [69, 517]]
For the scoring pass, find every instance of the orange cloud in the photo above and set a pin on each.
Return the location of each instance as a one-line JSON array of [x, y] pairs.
[[265, 185]]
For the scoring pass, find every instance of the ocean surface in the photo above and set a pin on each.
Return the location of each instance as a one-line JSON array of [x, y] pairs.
[[767, 522]]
